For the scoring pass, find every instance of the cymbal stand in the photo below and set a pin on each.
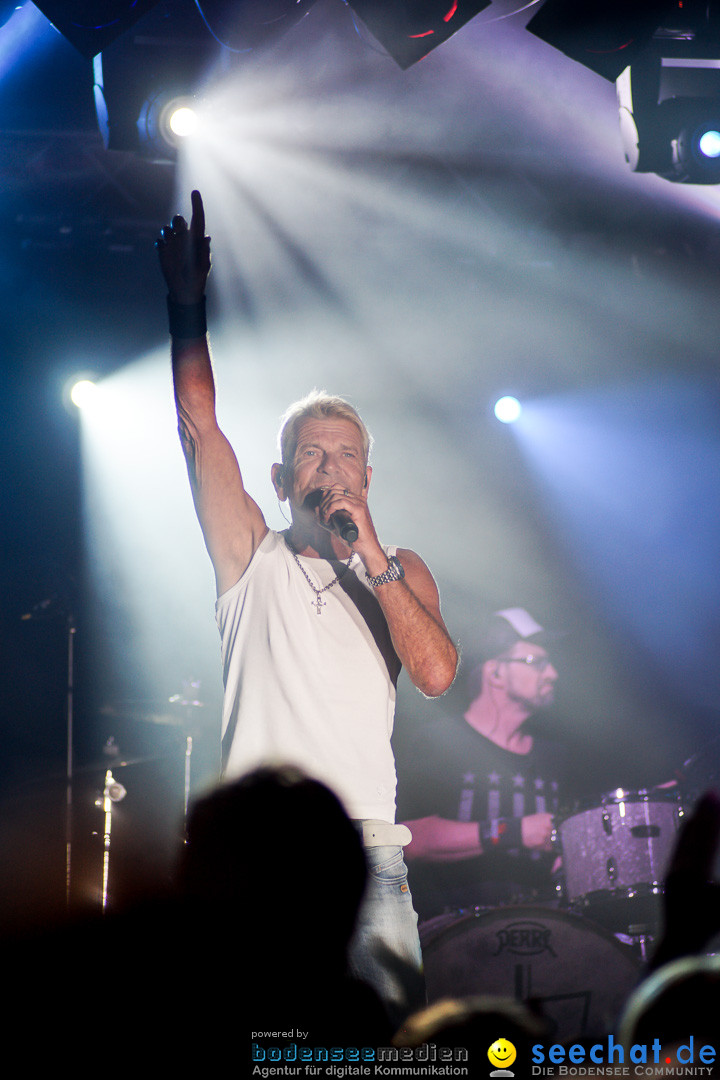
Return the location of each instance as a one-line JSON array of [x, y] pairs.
[[188, 701], [643, 938], [112, 792], [186, 786]]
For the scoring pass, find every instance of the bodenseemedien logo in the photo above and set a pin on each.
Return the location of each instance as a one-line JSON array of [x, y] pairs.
[[502, 1054]]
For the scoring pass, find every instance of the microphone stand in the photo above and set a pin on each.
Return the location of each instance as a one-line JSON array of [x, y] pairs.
[[43, 610], [69, 710]]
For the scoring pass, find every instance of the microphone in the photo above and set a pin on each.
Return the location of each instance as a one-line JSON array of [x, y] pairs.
[[341, 523]]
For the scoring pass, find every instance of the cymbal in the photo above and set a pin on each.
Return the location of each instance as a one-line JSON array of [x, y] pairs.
[[104, 764], [173, 711], [185, 702]]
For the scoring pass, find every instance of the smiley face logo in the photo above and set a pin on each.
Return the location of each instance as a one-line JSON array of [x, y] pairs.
[[502, 1054]]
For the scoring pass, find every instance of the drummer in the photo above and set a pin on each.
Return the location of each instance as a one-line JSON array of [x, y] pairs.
[[480, 792]]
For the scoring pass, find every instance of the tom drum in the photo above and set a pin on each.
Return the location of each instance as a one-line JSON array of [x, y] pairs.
[[615, 856]]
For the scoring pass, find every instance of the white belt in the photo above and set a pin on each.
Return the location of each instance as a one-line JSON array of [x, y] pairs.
[[376, 833]]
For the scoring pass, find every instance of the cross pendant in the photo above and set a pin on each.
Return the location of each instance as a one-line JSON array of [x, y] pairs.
[[319, 604]]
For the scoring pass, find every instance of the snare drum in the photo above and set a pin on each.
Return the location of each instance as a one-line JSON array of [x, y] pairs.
[[579, 973], [615, 856]]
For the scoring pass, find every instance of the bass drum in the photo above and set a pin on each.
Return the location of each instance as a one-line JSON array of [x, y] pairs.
[[578, 973]]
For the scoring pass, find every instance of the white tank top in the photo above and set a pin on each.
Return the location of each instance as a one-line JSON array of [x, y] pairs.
[[313, 690]]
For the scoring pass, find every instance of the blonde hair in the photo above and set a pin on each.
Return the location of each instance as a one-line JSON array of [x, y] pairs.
[[317, 405]]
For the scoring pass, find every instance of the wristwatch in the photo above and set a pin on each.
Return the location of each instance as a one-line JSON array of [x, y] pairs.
[[394, 572]]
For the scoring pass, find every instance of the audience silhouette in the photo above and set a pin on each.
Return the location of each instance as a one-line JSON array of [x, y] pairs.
[[251, 945]]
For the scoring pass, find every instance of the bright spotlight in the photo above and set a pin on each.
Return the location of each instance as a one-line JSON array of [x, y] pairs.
[[165, 120], [83, 393], [507, 410], [709, 144], [183, 121]]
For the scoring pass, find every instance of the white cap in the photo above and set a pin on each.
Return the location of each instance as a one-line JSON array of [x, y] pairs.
[[521, 621]]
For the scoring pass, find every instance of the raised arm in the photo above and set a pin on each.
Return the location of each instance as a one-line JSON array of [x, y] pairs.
[[231, 521]]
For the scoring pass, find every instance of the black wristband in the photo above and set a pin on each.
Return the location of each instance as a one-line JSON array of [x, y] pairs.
[[501, 834], [187, 320]]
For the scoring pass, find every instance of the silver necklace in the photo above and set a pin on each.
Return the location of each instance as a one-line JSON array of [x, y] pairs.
[[318, 601]]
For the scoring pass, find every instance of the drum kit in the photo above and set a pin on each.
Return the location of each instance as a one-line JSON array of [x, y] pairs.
[[171, 768], [579, 956], [109, 824], [109, 830]]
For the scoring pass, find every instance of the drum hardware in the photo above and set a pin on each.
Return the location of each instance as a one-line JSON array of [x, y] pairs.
[[640, 939], [45, 609], [180, 710], [121, 763], [188, 700], [186, 785], [182, 716], [643, 938], [60, 605], [113, 792], [144, 712], [184, 713]]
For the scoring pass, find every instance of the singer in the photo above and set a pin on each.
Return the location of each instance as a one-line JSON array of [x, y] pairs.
[[314, 626]]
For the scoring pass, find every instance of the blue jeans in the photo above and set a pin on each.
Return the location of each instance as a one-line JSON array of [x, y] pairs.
[[385, 950]]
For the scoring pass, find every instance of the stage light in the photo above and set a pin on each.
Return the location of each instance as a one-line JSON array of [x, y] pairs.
[[141, 79], [182, 121], [696, 145], [146, 82], [165, 120], [709, 143], [151, 122], [669, 100], [670, 115], [663, 57], [508, 409], [83, 393], [410, 29]]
